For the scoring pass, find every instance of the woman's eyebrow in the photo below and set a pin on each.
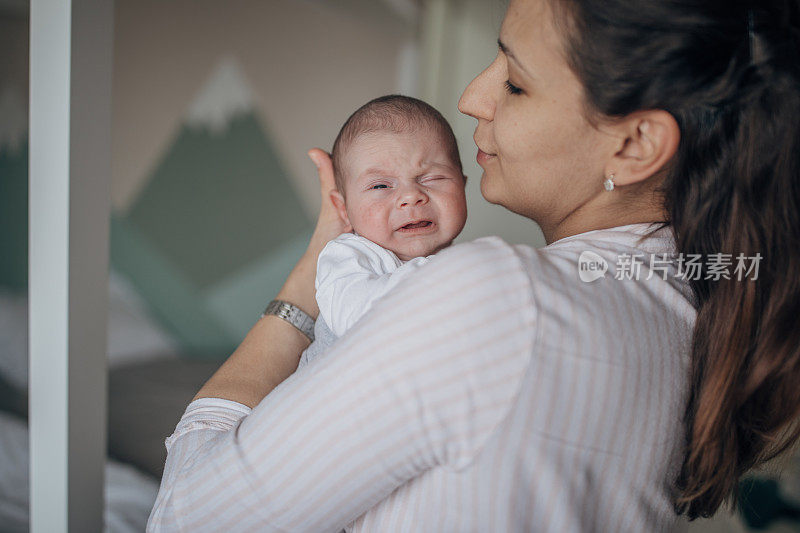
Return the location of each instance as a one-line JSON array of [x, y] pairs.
[[503, 48], [508, 53]]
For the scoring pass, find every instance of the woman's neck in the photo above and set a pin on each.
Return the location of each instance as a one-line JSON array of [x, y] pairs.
[[580, 223]]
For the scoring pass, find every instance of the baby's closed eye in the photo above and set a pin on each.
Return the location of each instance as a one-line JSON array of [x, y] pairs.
[[440, 180]]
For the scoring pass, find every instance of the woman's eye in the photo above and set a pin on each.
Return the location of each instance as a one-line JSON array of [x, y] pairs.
[[512, 89]]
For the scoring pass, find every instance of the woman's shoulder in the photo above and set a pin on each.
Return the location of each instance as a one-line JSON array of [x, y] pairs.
[[633, 259], [614, 264], [486, 271], [494, 254], [479, 259], [486, 260], [483, 247]]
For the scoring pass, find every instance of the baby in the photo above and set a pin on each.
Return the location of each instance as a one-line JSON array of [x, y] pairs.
[[400, 187]]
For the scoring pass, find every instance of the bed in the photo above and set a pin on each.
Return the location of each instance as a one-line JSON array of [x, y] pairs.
[[149, 385]]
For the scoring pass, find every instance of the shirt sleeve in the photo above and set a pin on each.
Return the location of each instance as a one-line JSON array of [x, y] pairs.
[[420, 383], [351, 274]]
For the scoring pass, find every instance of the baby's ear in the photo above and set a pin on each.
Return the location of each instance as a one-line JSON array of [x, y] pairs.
[[338, 203]]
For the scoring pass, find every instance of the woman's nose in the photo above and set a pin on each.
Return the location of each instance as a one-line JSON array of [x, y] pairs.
[[411, 196], [478, 98]]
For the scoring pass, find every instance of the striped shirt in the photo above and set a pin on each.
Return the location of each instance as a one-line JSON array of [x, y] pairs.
[[494, 390]]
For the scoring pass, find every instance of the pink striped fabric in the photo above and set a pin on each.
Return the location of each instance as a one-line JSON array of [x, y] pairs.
[[492, 391]]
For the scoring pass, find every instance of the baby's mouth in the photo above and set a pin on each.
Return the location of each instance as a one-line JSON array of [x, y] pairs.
[[422, 224]]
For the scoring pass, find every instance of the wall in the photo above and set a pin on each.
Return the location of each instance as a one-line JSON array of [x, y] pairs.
[[215, 105], [309, 65]]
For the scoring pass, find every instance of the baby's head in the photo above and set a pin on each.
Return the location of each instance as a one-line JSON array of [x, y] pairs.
[[399, 177]]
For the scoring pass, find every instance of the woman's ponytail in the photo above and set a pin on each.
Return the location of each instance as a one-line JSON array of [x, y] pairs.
[[744, 400], [730, 77]]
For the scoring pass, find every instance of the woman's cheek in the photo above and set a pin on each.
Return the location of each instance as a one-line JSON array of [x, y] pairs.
[[511, 141], [511, 149]]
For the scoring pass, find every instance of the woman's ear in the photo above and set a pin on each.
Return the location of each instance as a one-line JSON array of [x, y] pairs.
[[649, 140], [338, 202]]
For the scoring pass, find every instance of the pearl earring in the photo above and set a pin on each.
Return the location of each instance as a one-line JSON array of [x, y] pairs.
[[609, 183]]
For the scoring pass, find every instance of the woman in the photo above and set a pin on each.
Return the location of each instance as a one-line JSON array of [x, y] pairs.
[[498, 390]]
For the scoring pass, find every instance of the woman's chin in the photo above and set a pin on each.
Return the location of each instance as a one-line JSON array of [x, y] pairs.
[[488, 190]]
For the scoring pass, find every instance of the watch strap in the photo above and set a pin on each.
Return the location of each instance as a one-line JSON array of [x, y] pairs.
[[293, 315]]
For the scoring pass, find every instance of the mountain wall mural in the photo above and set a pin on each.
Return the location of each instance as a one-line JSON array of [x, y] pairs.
[[211, 236], [217, 213]]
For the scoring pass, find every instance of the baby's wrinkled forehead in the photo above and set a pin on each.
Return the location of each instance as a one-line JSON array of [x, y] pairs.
[[393, 151]]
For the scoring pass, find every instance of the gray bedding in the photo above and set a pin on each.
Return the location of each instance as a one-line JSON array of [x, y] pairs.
[[145, 402]]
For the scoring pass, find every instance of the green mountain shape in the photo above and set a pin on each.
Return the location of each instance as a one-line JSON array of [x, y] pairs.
[[204, 242], [207, 244], [238, 301], [171, 299], [218, 201]]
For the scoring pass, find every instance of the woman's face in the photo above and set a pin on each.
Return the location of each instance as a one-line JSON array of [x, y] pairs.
[[540, 157]]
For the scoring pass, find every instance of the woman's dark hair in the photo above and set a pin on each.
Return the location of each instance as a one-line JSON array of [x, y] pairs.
[[729, 72]]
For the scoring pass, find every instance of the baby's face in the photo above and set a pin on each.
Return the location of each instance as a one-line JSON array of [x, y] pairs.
[[403, 192]]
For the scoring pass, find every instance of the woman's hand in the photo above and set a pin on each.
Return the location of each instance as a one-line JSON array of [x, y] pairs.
[[299, 286], [329, 224], [270, 352]]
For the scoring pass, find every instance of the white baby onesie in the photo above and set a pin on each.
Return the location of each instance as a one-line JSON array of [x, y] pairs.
[[352, 272]]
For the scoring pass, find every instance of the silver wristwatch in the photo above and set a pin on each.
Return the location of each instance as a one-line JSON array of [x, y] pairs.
[[293, 315]]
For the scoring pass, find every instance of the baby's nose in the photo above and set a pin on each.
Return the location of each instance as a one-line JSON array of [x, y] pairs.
[[412, 197]]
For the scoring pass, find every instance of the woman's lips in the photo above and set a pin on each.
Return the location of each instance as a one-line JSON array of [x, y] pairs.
[[483, 157]]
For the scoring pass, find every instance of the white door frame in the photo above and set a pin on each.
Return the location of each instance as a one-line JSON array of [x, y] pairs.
[[69, 174]]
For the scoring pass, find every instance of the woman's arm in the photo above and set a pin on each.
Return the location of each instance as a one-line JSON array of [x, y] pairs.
[[272, 348], [421, 382]]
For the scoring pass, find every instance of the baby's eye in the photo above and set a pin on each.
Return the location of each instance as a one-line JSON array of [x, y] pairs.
[[379, 185]]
